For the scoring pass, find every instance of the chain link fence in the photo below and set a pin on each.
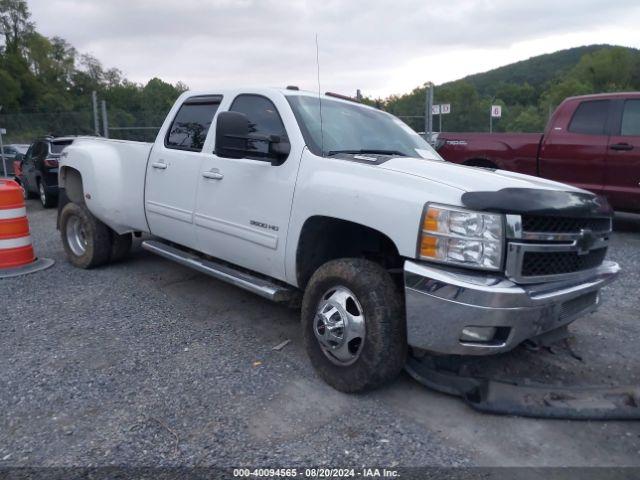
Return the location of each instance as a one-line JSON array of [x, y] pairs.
[[140, 126], [26, 127]]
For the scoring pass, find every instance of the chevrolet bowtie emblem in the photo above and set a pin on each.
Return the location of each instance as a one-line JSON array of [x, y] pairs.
[[585, 241]]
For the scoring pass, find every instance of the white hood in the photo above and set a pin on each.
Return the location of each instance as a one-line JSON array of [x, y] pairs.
[[471, 179]]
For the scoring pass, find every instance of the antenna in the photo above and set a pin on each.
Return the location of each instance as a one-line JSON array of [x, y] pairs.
[[319, 96]]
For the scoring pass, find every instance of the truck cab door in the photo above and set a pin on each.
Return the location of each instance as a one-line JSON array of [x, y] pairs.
[[622, 176], [173, 170], [244, 204], [574, 150]]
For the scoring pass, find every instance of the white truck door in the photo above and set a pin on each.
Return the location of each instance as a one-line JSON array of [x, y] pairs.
[[173, 170], [243, 205]]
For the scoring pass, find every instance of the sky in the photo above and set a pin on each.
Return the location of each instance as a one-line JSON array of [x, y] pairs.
[[380, 47]]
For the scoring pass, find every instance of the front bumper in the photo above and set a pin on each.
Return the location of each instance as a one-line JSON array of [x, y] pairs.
[[441, 302]]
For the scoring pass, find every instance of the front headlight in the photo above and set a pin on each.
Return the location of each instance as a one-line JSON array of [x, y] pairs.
[[461, 237]]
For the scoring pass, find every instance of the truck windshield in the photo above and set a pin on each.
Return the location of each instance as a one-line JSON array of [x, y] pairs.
[[353, 128]]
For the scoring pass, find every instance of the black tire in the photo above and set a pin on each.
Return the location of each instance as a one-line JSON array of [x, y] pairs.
[[46, 199], [383, 353], [98, 237], [120, 246]]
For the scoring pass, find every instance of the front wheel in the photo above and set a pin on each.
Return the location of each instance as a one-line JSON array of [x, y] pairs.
[[354, 330]]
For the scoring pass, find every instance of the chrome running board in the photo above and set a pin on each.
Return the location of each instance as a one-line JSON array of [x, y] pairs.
[[258, 285]]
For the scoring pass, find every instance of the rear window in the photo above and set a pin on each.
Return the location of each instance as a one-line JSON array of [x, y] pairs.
[[590, 118], [57, 147], [631, 118], [191, 125]]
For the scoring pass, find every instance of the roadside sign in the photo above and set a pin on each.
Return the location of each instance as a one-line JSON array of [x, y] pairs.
[[445, 108], [496, 111], [3, 131], [435, 110]]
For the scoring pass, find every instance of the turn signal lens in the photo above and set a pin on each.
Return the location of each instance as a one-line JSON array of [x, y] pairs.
[[431, 220], [429, 247], [461, 237]]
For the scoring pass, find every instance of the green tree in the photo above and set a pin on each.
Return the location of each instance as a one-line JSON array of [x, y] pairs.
[[526, 119], [10, 91], [606, 70], [158, 95], [14, 24], [562, 89], [514, 94]]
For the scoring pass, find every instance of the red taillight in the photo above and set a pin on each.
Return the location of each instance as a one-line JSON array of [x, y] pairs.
[[51, 162]]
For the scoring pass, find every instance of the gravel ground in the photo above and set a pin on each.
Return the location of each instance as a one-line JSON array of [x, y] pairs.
[[149, 363]]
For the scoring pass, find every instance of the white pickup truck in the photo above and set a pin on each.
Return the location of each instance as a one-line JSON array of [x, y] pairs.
[[391, 250]]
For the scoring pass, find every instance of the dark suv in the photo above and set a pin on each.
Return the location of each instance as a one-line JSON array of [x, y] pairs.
[[39, 174]]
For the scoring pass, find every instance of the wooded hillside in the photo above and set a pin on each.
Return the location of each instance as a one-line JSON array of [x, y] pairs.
[[46, 87], [46, 84], [528, 90]]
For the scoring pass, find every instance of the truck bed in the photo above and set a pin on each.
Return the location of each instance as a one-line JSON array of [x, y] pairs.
[[518, 151], [114, 187]]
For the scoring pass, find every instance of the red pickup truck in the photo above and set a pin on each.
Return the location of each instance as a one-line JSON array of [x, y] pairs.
[[591, 141]]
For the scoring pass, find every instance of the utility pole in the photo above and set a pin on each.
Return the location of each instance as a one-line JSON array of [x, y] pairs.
[[105, 119], [4, 160], [428, 118], [96, 123]]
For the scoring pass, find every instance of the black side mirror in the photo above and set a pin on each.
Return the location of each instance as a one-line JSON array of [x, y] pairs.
[[232, 134], [234, 139]]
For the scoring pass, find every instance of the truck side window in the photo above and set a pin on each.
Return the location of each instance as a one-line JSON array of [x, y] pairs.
[[264, 120], [631, 118], [590, 118], [191, 125]]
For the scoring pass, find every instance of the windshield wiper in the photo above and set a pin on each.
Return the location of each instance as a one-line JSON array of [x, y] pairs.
[[367, 150]]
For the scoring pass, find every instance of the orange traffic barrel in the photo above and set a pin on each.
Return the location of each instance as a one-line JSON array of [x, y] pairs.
[[16, 249]]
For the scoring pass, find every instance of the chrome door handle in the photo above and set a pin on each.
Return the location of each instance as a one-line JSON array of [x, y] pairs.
[[213, 175], [159, 165]]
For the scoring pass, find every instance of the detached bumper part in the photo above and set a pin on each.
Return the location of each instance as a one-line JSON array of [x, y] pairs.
[[527, 398], [450, 311]]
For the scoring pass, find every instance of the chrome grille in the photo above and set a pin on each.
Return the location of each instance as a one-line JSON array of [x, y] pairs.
[[547, 248]]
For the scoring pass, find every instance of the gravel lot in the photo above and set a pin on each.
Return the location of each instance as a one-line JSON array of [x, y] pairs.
[[149, 363]]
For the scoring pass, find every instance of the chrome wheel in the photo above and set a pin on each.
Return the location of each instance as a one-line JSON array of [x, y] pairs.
[[76, 236], [43, 194], [339, 326]]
